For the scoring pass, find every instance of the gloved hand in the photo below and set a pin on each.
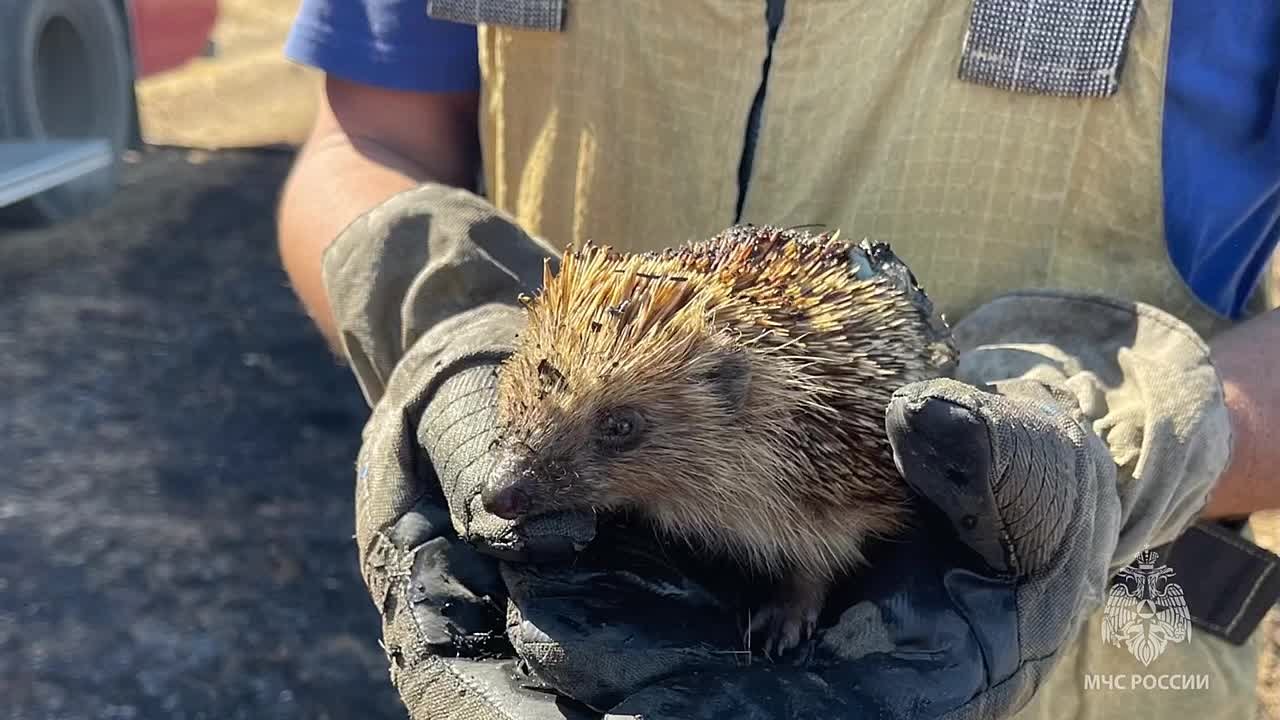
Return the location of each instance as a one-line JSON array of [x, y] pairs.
[[422, 290], [1019, 520]]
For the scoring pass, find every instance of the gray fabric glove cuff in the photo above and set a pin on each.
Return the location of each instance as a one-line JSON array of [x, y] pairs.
[[1141, 379], [415, 261]]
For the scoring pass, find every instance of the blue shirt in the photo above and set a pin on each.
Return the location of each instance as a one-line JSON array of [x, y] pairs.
[[1221, 142]]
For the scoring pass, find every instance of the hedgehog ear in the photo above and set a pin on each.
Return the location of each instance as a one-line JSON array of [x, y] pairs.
[[730, 377]]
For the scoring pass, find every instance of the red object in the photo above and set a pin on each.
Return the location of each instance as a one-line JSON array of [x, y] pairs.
[[169, 33]]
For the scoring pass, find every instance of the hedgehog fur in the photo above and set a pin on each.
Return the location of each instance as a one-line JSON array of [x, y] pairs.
[[731, 390]]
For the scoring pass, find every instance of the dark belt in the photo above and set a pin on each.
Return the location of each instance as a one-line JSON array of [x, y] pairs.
[[1228, 582]]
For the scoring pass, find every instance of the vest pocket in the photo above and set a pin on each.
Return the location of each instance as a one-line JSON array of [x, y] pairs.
[[524, 14], [1069, 48]]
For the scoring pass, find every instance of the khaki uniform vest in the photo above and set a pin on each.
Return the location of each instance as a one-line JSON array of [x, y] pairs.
[[627, 128]]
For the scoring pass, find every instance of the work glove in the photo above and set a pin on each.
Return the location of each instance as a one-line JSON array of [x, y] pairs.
[[483, 624], [423, 289], [438, 270]]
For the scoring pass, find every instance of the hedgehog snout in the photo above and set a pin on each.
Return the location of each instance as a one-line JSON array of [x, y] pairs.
[[509, 493], [505, 493], [508, 501]]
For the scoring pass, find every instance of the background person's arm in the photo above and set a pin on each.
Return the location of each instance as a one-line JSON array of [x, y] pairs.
[[368, 144]]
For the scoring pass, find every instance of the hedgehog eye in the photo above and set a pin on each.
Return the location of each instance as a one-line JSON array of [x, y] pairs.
[[620, 429]]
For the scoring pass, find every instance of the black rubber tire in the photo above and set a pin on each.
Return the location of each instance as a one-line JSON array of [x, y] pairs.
[[81, 49]]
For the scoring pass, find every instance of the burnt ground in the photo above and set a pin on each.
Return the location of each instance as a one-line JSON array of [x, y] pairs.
[[176, 518]]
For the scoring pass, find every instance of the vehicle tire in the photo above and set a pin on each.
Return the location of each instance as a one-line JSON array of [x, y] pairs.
[[66, 72]]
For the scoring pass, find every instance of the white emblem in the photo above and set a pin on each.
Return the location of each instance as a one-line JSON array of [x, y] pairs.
[[1145, 610]]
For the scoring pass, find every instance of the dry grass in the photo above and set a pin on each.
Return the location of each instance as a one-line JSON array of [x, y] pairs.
[[248, 95]]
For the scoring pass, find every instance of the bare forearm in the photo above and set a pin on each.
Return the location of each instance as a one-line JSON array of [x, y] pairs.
[[367, 145], [1245, 358], [331, 185]]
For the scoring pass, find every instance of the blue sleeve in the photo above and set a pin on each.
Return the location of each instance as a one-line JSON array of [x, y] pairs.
[[388, 43], [1222, 147]]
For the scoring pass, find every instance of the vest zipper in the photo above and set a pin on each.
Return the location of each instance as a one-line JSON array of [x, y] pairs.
[[773, 13]]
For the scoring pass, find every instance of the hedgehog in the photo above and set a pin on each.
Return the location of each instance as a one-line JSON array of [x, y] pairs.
[[731, 392]]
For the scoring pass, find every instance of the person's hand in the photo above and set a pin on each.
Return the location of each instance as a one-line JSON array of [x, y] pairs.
[[1018, 521], [424, 292], [424, 289], [1029, 492]]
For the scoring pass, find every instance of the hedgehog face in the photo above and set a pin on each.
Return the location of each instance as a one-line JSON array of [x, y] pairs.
[[613, 435], [732, 390], [638, 377]]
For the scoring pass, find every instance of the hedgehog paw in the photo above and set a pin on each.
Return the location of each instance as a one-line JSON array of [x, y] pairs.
[[789, 619]]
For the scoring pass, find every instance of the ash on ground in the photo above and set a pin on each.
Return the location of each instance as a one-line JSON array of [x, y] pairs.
[[175, 525]]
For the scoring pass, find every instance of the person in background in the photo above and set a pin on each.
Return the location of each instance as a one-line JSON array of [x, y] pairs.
[[1090, 191]]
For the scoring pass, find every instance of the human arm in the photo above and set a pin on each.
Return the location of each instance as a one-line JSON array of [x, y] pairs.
[[368, 144], [397, 108], [378, 199], [386, 243], [1245, 357]]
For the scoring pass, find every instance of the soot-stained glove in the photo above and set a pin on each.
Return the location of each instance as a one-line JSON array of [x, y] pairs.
[[1077, 432], [1018, 521], [1085, 431], [424, 293]]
